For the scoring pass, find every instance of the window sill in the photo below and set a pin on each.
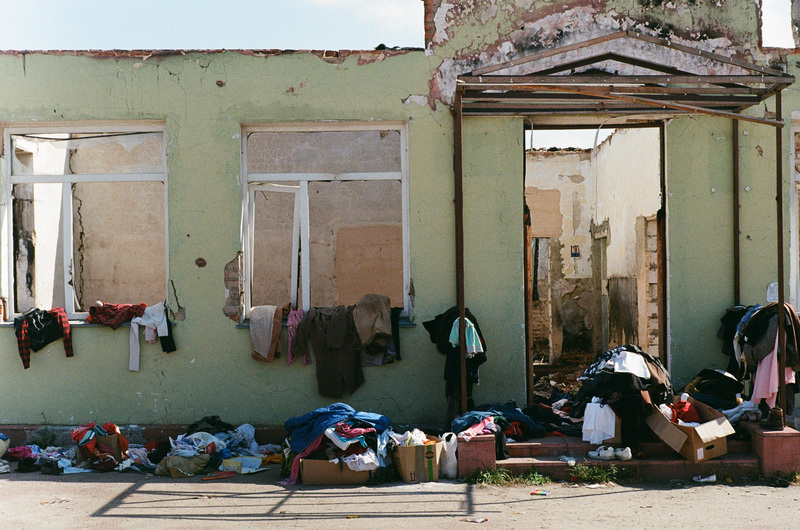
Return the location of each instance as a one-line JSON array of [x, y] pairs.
[[79, 324], [404, 322]]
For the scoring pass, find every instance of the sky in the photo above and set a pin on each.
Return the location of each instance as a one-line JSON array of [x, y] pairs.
[[256, 24], [205, 24]]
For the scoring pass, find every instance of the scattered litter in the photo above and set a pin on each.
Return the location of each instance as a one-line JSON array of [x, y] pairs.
[[540, 492], [595, 486], [701, 478], [353, 516], [779, 482], [219, 474], [570, 460], [475, 519]]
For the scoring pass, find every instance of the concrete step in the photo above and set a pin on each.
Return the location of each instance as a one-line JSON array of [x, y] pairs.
[[729, 466], [570, 446]]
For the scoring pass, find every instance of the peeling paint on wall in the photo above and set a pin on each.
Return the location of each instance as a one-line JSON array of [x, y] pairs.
[[234, 288]]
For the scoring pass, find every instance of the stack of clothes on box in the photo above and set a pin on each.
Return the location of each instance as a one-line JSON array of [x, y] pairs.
[[628, 380], [360, 439]]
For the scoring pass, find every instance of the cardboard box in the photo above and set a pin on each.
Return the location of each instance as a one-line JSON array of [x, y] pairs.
[[419, 463], [324, 473], [617, 438], [696, 444]]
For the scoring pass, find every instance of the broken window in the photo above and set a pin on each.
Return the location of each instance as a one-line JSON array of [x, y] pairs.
[[327, 214], [87, 218]]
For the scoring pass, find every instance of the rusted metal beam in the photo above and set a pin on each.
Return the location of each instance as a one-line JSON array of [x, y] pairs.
[[624, 79], [737, 282], [661, 248], [506, 88], [781, 284], [458, 201], [703, 53], [659, 104], [731, 100]]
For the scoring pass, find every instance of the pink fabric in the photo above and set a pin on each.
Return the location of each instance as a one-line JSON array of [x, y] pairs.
[[296, 463], [765, 385], [346, 431], [292, 321], [477, 429], [19, 452]]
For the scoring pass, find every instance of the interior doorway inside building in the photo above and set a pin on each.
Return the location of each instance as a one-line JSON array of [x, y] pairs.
[[593, 237]]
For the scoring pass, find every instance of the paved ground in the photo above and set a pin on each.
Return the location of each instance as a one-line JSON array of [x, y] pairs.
[[122, 500]]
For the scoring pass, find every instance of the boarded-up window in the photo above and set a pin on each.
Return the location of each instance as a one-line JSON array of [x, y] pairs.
[[327, 214], [88, 218]]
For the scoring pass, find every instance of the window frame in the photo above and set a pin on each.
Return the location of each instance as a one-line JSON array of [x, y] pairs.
[[9, 180], [252, 182]]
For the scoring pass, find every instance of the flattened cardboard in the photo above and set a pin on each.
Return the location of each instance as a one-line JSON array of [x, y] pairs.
[[419, 463], [697, 444], [324, 473]]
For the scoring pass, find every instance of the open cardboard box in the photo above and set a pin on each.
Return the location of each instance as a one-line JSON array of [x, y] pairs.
[[696, 444], [324, 473], [419, 463]]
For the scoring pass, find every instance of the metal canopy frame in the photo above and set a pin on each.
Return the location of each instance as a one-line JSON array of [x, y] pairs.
[[572, 84]]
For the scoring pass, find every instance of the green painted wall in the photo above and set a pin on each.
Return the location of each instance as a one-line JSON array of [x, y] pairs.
[[212, 372], [700, 236]]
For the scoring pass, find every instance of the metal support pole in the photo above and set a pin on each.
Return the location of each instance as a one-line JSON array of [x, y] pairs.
[[781, 287], [737, 282], [458, 168]]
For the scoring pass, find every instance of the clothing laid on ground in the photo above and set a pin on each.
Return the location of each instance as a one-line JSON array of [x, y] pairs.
[[332, 334], [114, 315], [38, 328]]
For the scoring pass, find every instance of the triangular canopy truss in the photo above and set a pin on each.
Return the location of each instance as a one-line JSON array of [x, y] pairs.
[[624, 74]]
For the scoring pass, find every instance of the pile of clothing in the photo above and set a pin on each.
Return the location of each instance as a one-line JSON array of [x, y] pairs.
[[206, 444], [750, 337], [632, 382], [343, 339], [360, 439], [99, 448], [503, 420]]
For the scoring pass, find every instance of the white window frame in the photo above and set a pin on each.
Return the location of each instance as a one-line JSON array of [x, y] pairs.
[[9, 180], [252, 182]]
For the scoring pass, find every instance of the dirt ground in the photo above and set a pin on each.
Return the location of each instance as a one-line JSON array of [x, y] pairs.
[[132, 500]]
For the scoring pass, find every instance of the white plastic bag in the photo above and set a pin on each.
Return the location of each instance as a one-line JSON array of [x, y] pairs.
[[448, 466]]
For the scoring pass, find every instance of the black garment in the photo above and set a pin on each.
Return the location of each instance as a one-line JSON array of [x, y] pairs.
[[727, 331], [168, 342], [394, 317], [439, 330], [211, 425], [43, 328]]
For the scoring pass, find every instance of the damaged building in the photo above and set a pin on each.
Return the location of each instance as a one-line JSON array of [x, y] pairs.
[[215, 181]]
